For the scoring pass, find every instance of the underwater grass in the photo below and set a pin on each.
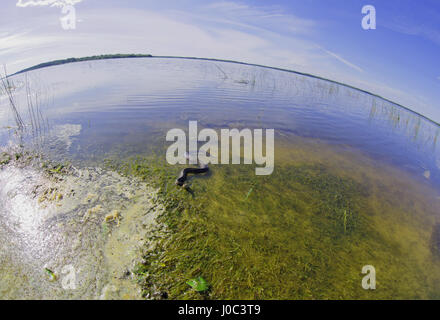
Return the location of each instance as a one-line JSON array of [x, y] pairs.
[[304, 232], [301, 233]]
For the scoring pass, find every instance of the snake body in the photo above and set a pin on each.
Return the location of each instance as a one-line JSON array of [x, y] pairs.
[[183, 176]]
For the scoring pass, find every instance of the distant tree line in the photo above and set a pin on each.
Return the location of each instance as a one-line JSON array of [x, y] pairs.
[[70, 60]]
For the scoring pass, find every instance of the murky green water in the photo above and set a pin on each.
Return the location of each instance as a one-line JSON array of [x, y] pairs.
[[356, 182]]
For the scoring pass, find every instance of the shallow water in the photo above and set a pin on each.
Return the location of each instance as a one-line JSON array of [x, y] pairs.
[[287, 232], [59, 222]]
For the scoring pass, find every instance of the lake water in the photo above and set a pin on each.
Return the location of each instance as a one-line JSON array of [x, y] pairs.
[[356, 179]]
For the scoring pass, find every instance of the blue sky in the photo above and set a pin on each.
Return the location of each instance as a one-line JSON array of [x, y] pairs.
[[400, 60]]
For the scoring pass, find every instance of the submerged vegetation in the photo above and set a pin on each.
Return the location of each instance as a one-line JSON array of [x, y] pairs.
[[302, 233], [436, 240]]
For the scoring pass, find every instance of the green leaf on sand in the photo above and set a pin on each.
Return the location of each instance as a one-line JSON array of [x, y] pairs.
[[199, 284], [51, 274]]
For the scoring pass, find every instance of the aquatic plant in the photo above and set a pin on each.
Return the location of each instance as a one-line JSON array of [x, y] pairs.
[[8, 88], [209, 233], [199, 284], [34, 104], [5, 158]]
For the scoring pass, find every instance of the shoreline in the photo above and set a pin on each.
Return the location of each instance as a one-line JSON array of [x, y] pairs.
[[60, 220]]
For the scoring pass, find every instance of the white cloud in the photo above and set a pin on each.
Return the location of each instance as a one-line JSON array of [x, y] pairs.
[[269, 18], [224, 30], [228, 5], [427, 32], [421, 22], [344, 61], [180, 33], [52, 3], [25, 40]]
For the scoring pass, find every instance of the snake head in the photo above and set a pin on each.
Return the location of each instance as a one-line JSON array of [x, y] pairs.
[[180, 182]]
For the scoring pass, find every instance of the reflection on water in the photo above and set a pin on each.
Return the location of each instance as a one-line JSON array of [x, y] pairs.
[[85, 112]]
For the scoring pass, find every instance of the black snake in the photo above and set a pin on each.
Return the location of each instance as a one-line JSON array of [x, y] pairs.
[[183, 176]]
